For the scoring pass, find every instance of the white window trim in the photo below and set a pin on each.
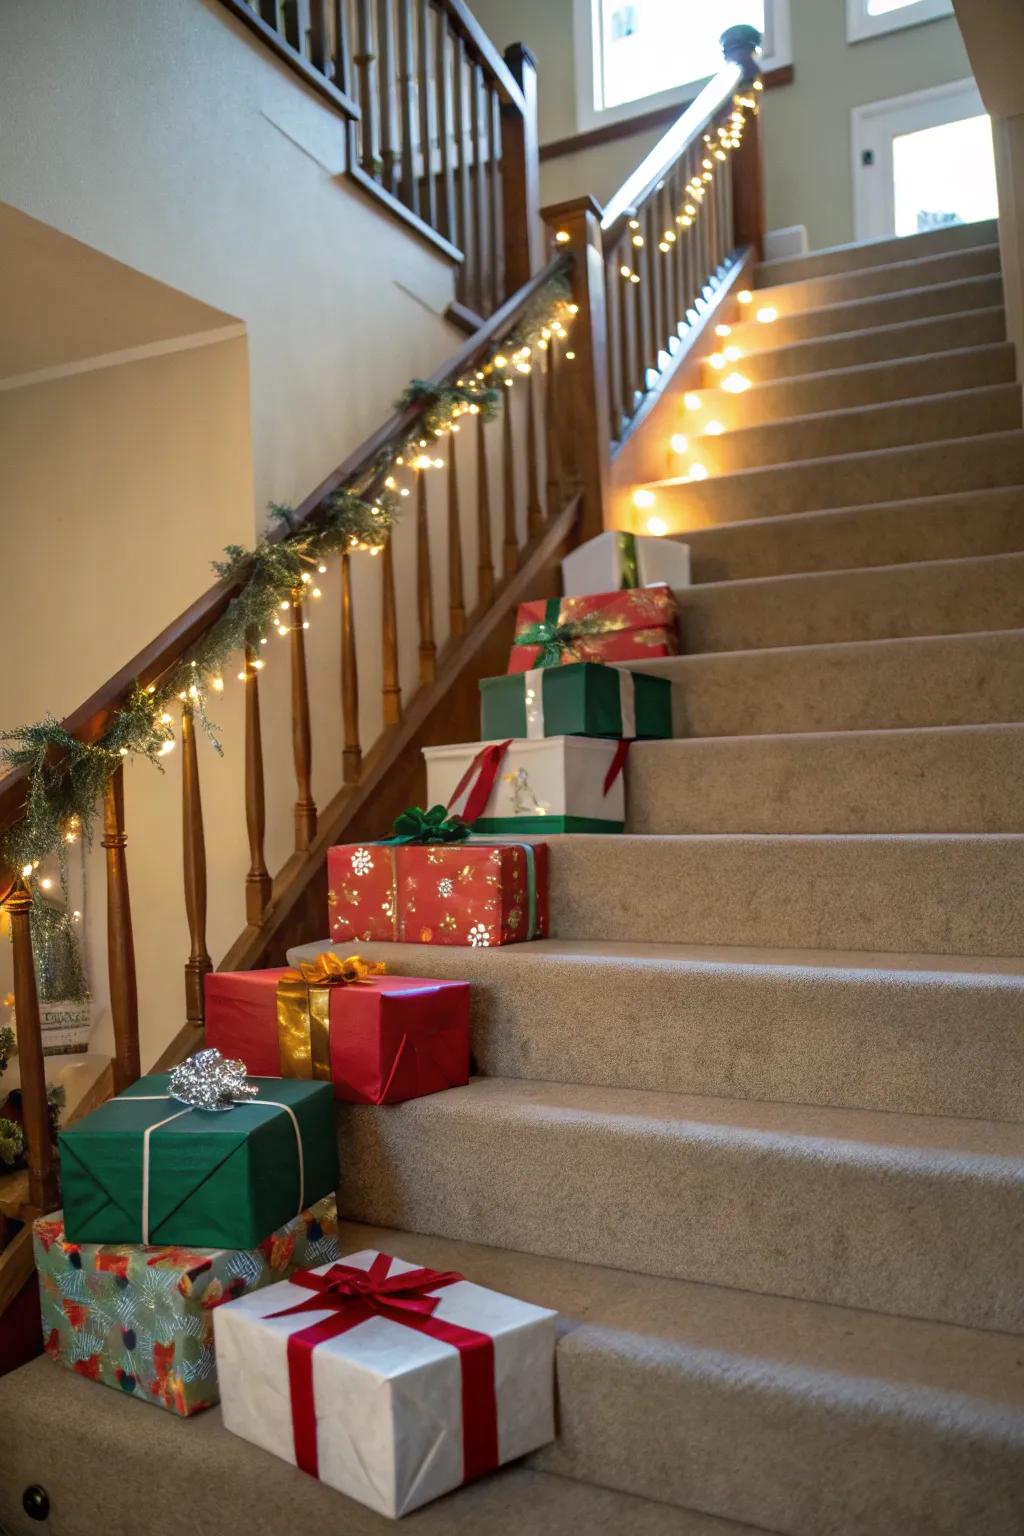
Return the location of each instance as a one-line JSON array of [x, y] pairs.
[[586, 22], [860, 24]]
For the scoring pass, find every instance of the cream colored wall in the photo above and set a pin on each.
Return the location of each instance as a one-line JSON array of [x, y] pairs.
[[164, 136], [808, 169]]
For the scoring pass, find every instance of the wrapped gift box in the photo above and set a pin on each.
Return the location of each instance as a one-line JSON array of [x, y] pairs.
[[141, 1319], [378, 1040], [145, 1168], [620, 560], [391, 1391], [474, 892], [606, 626], [554, 785], [578, 700]]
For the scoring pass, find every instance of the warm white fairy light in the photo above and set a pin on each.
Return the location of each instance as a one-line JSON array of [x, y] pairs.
[[642, 499], [767, 315], [736, 383], [732, 354], [714, 429], [657, 526], [698, 472], [744, 296], [680, 444], [692, 401], [717, 360], [723, 330]]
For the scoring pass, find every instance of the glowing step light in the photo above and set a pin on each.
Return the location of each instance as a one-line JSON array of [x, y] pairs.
[[643, 499], [680, 444], [736, 384], [691, 401], [768, 314], [657, 526]]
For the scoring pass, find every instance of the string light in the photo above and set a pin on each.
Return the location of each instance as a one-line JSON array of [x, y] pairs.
[[767, 315], [680, 444], [698, 472], [562, 237], [723, 330], [714, 429], [732, 354], [692, 401], [717, 360], [642, 499], [736, 383], [744, 296]]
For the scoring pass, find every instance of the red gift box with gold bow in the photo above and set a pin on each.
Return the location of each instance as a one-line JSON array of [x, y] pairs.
[[379, 1039], [633, 625]]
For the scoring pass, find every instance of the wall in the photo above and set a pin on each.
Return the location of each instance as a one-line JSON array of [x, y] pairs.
[[808, 168]]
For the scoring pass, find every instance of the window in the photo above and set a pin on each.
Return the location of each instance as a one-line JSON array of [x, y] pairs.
[[651, 48], [871, 18]]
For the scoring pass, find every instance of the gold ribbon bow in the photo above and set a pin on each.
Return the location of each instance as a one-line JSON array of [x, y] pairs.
[[304, 1010]]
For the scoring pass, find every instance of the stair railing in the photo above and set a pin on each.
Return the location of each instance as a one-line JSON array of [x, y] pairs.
[[656, 252], [440, 126], [524, 492]]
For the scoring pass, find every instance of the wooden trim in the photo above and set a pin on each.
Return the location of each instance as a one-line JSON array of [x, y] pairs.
[[463, 317], [643, 122], [466, 25], [310, 75], [395, 205], [16, 1266]]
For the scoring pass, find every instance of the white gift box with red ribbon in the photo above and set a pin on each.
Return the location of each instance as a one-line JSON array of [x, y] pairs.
[[392, 1383], [567, 783]]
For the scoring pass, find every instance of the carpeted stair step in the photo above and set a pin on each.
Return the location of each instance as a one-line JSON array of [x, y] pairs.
[[932, 597], [856, 257], [815, 292], [953, 527], [951, 895], [116, 1466], [962, 778], [854, 429], [864, 314], [892, 1213], [931, 1035], [840, 388], [868, 685], [846, 480], [907, 339]]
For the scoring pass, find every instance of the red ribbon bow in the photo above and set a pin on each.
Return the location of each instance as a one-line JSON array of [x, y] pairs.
[[355, 1295]]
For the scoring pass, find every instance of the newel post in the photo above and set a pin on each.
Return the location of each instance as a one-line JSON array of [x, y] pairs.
[[43, 1191], [582, 389], [742, 46], [520, 174]]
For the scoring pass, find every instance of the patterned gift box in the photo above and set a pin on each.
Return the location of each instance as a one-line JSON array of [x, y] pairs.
[[580, 699], [378, 1039], [141, 1319], [616, 559], [606, 626], [478, 893]]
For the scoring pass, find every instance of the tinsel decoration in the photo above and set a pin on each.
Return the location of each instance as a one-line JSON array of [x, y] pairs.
[[59, 969], [211, 1081], [12, 1142]]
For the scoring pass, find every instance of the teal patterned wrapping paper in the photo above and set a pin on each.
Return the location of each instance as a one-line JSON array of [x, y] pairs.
[[141, 1319]]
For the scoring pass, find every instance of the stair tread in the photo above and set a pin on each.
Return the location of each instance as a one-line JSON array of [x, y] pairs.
[[982, 1149], [850, 306], [823, 647], [86, 1444], [978, 564], [749, 1330], [840, 339], [910, 267], [407, 959], [908, 405], [961, 237], [984, 494]]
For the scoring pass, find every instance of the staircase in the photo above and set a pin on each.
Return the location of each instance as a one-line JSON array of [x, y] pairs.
[[752, 1118]]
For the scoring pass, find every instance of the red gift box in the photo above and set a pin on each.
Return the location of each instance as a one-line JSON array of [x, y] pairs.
[[388, 1038], [633, 625], [475, 893]]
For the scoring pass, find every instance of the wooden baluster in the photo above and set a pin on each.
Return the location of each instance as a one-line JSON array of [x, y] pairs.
[[352, 753], [257, 881], [270, 12], [510, 549], [461, 80], [668, 263], [534, 509], [124, 994], [342, 74], [390, 155], [409, 190], [428, 117], [627, 328], [366, 64], [728, 201], [638, 311], [477, 107], [199, 962], [320, 37], [456, 593], [485, 555], [740, 45], [495, 197], [298, 19], [302, 734], [446, 131], [424, 583], [711, 212], [655, 289], [391, 691], [552, 430], [520, 174], [612, 299], [42, 1173]]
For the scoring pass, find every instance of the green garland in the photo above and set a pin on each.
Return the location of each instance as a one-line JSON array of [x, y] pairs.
[[66, 778]]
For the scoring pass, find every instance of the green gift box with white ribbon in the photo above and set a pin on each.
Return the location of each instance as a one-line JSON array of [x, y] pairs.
[[147, 1168], [582, 699]]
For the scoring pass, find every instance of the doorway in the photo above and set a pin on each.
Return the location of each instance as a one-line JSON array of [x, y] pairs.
[[921, 161]]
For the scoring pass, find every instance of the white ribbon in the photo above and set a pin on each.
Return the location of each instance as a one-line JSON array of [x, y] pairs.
[[533, 695], [152, 1098]]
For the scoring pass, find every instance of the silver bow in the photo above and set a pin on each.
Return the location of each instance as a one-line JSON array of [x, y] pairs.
[[209, 1080]]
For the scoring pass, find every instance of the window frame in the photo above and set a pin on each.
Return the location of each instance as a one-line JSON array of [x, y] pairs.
[[589, 82], [861, 25]]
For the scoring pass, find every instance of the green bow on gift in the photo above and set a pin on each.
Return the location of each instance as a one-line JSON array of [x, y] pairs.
[[415, 825], [555, 635]]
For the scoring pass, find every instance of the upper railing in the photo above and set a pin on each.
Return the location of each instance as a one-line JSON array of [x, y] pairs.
[[441, 127]]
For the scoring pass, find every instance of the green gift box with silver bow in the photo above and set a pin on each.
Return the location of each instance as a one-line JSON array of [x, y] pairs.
[[146, 1168], [582, 699]]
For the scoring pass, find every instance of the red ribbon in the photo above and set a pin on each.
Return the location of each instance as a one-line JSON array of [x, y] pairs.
[[354, 1296], [618, 762], [486, 764]]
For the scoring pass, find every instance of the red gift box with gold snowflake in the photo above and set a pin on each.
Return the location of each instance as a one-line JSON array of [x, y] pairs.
[[634, 625], [140, 1318], [477, 892]]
